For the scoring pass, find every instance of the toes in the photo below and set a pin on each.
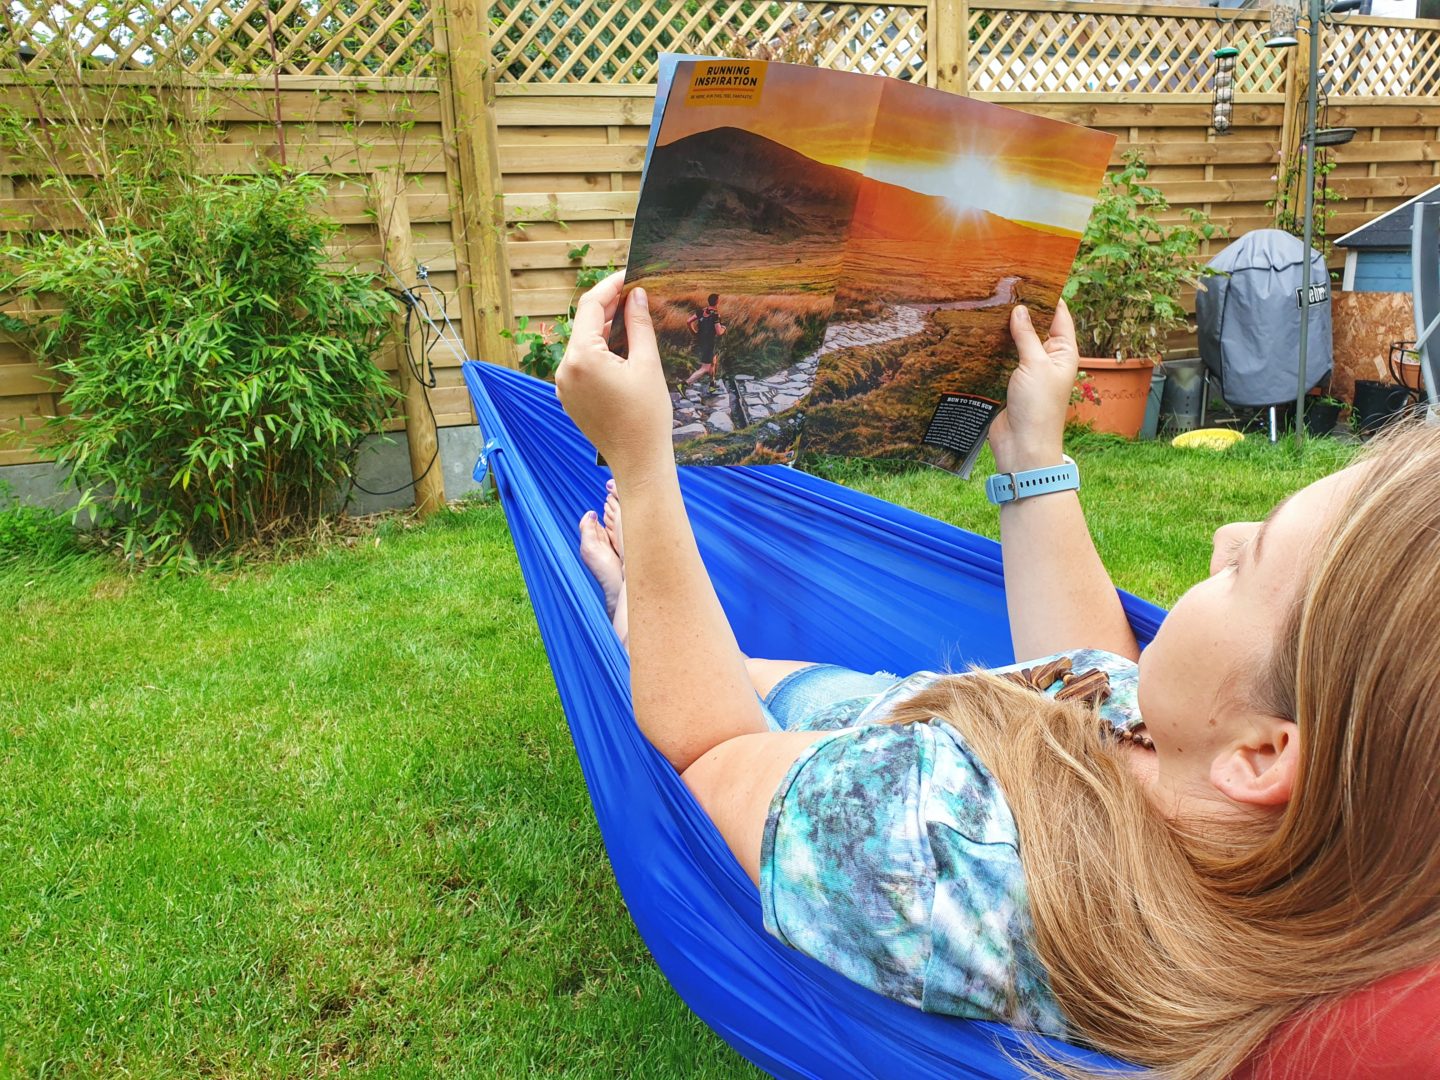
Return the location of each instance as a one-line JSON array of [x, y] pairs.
[[589, 528]]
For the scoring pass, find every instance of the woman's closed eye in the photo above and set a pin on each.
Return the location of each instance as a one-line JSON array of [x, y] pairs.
[[1236, 552], [1230, 544]]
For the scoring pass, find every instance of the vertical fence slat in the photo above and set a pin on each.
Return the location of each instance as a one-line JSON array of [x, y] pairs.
[[1297, 74], [469, 78], [387, 189], [951, 38]]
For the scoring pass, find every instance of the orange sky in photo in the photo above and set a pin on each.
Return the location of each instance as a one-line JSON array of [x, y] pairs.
[[978, 155]]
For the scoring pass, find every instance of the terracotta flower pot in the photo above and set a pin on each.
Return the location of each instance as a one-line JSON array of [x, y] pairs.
[[1123, 387]]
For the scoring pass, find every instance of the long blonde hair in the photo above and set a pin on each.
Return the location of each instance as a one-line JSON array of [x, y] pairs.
[[1182, 946]]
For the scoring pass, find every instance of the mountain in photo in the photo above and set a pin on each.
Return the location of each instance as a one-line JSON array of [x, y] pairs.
[[736, 181]]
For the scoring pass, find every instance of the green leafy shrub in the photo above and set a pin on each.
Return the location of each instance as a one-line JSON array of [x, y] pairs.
[[218, 374], [1124, 289]]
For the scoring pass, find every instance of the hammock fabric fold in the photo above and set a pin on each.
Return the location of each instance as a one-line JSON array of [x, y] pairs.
[[806, 570]]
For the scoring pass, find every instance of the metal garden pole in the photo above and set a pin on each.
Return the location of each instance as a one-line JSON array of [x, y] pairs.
[[1311, 119]]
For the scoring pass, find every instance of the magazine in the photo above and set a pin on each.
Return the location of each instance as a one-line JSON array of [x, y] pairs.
[[831, 257]]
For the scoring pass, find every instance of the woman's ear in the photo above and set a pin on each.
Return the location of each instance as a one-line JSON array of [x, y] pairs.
[[1261, 769]]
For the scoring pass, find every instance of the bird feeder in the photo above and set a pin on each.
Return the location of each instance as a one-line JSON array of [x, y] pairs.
[[1222, 92], [1284, 25]]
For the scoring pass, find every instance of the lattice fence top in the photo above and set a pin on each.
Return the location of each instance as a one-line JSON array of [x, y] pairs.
[[1382, 61], [604, 41], [300, 37], [1014, 46], [1059, 48]]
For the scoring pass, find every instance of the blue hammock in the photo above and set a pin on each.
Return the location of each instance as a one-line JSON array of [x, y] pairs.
[[806, 570]]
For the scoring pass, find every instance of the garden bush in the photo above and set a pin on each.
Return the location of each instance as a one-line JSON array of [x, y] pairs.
[[218, 374]]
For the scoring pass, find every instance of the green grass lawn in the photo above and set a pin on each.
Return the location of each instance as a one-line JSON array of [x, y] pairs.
[[324, 816]]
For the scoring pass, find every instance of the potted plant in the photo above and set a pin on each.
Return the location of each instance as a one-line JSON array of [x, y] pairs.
[[1124, 292], [1322, 413]]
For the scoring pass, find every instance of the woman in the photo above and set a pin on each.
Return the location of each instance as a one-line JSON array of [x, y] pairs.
[[1269, 841]]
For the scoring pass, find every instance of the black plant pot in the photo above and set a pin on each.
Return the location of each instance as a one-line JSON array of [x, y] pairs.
[[1378, 403], [1321, 417]]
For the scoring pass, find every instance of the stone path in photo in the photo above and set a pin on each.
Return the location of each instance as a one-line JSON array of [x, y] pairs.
[[699, 411]]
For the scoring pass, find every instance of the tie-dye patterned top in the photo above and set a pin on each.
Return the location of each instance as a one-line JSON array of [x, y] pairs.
[[890, 854]]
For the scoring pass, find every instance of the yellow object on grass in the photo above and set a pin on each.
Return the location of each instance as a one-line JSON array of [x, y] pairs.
[[1210, 438]]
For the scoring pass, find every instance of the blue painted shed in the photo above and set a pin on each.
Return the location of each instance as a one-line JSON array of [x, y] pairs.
[[1377, 255]]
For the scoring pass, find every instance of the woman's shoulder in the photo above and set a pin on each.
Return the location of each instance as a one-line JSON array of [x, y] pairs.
[[891, 854]]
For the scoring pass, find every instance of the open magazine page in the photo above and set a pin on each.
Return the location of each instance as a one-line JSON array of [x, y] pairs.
[[739, 239], [965, 209]]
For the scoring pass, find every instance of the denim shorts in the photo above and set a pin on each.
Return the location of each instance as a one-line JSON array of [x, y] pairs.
[[823, 697]]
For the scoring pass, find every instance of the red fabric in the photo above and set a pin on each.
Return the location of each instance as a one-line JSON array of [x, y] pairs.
[[1389, 1031]]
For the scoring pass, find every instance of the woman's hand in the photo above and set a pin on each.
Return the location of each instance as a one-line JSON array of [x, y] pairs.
[[1029, 433], [621, 403]]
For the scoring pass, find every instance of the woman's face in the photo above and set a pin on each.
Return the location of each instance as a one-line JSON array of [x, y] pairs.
[[1198, 677]]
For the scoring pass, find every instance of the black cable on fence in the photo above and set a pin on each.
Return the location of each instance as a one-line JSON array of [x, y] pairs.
[[431, 335]]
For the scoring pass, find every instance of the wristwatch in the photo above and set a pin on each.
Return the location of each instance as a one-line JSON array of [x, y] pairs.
[[1005, 487]]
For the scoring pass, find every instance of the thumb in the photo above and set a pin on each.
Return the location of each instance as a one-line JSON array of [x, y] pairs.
[[640, 328], [1062, 329]]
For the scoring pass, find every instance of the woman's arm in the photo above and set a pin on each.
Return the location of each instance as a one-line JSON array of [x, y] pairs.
[[688, 678], [1058, 593], [693, 698]]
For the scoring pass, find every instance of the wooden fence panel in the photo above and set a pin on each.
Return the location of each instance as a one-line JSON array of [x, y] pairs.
[[513, 169], [569, 137]]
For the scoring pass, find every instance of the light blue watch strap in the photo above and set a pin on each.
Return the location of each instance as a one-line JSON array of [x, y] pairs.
[[1002, 488]]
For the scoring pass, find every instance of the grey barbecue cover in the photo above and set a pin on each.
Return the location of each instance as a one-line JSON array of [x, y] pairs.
[[1249, 319]]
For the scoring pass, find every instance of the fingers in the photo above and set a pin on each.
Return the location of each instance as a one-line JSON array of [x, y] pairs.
[[1059, 346], [590, 328], [597, 307], [1027, 341], [639, 328]]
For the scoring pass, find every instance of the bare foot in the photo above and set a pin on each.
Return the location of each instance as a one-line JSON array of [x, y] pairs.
[[602, 561], [612, 521]]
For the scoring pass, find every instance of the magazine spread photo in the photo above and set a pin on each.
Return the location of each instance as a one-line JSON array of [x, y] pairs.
[[831, 258]]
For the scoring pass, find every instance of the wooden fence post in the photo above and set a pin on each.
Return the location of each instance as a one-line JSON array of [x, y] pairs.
[[468, 77], [1292, 124], [393, 216], [950, 36]]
